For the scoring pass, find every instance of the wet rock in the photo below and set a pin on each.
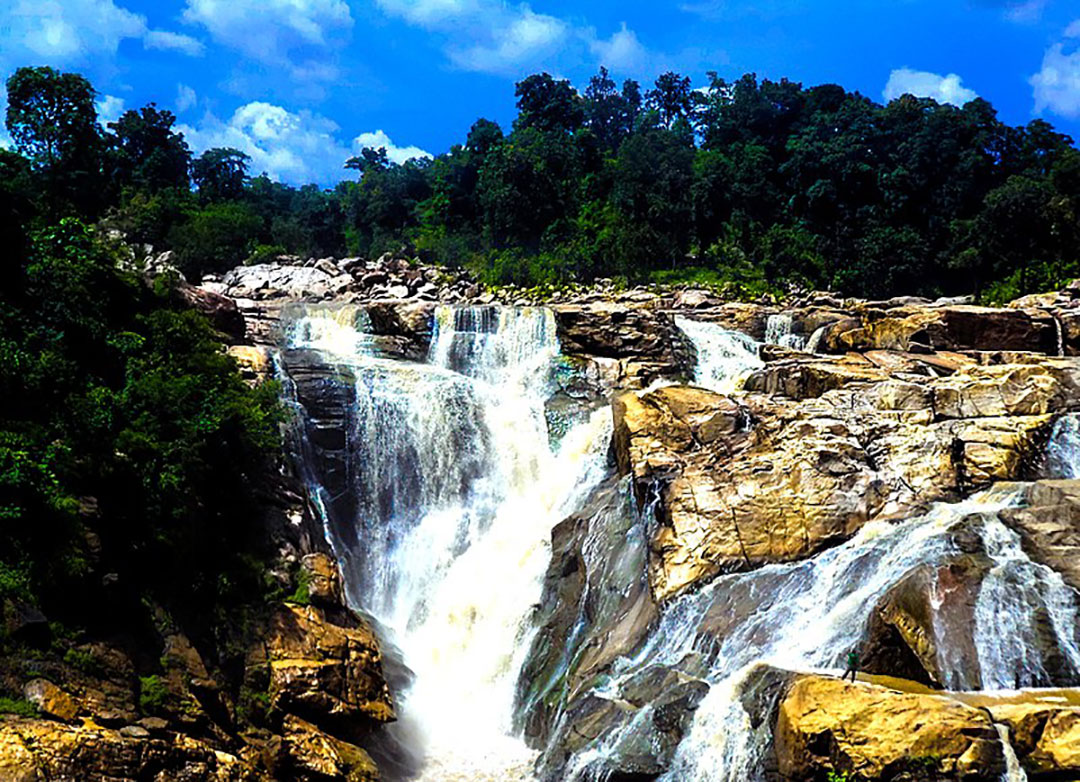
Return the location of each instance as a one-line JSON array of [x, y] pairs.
[[253, 362], [874, 733], [320, 572], [646, 340], [1049, 527], [754, 480]]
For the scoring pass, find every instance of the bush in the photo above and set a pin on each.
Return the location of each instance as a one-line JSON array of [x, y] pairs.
[[153, 695], [215, 239]]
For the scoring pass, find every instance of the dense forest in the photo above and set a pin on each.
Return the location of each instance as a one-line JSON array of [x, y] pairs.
[[129, 443], [756, 184]]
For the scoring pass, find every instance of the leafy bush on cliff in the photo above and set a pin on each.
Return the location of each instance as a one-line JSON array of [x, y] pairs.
[[128, 441]]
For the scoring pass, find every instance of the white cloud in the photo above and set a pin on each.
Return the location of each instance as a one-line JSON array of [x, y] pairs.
[[109, 108], [295, 147], [276, 32], [1057, 85], [622, 51], [72, 31], [379, 139], [923, 84], [498, 37], [178, 42], [522, 39], [185, 98]]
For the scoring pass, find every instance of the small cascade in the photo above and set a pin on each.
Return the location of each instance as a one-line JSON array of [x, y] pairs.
[[1063, 450], [1060, 336], [724, 358], [814, 343], [456, 491], [1014, 772], [779, 329]]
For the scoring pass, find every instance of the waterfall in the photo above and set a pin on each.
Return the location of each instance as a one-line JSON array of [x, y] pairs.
[[1063, 450], [814, 342], [724, 358], [1014, 772], [456, 490], [806, 616], [778, 331]]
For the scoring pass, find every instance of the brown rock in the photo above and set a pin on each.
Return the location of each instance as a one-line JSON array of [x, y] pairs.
[[1049, 527], [875, 733], [35, 750], [50, 700], [220, 310], [329, 672], [323, 578], [316, 756]]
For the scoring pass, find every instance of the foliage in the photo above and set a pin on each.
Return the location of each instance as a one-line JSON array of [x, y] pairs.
[[153, 694], [20, 707], [302, 595]]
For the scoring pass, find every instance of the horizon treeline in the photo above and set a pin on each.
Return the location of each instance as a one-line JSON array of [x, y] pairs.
[[757, 185]]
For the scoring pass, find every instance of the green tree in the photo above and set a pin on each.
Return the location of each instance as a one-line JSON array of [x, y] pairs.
[[220, 174], [146, 153]]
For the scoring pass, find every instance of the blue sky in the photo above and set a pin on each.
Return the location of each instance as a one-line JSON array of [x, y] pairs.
[[302, 84]]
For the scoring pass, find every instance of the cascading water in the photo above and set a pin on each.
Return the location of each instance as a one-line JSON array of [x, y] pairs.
[[805, 617], [457, 490], [1063, 450], [724, 357], [779, 331]]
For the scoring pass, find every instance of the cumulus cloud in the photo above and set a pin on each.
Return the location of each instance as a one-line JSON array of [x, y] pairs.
[[177, 42], [923, 84], [294, 147], [109, 108], [1057, 84], [497, 37], [379, 139], [622, 51], [185, 98], [293, 33]]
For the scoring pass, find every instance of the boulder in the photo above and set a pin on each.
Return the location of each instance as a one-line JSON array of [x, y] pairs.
[[313, 756], [951, 328], [50, 700], [873, 733], [220, 310]]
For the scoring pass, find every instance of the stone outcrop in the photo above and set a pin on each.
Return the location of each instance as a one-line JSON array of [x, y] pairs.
[[933, 329], [874, 733], [1049, 527], [32, 750], [748, 480]]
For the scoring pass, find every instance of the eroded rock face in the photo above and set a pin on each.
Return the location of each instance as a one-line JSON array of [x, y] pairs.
[[932, 329], [750, 480], [875, 733], [646, 342], [1049, 527], [324, 670], [35, 750]]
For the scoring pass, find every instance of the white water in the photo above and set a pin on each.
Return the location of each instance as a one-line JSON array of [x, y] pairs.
[[725, 358], [778, 331], [1014, 772], [805, 616], [1063, 450], [458, 493]]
